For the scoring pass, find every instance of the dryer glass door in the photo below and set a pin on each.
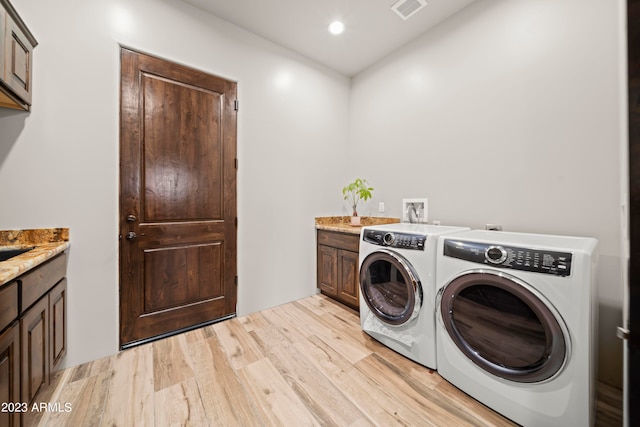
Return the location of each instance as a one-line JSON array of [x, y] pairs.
[[390, 287], [503, 327]]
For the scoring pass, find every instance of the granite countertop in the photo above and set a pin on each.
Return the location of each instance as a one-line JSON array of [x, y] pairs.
[[343, 223], [47, 243]]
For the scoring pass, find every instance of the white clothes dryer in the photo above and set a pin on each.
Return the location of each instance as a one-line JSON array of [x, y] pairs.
[[397, 287], [516, 318]]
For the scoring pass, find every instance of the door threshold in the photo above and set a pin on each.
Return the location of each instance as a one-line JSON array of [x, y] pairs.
[[176, 332]]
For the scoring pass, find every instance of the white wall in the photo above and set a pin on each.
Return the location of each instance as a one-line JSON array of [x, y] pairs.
[[509, 113], [59, 163]]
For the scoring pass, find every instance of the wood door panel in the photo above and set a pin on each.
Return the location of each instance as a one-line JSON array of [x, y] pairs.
[[18, 53], [58, 327], [35, 342], [182, 153], [177, 198], [182, 275], [348, 288], [10, 374], [328, 270], [168, 234]]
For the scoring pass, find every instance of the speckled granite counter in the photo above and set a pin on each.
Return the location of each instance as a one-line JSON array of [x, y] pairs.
[[48, 243], [343, 223]]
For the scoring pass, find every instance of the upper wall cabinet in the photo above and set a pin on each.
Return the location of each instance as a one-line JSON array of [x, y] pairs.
[[16, 54]]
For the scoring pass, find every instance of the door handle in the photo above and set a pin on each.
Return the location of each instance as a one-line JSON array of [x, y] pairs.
[[131, 235], [622, 333], [131, 218]]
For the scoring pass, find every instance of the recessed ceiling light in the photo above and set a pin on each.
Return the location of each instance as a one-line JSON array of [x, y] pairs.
[[336, 27]]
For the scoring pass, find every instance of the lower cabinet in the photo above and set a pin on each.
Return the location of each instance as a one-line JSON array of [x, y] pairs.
[[57, 326], [33, 342], [338, 266], [10, 375], [34, 330]]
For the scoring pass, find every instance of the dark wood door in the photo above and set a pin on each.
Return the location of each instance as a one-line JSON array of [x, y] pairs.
[[177, 198]]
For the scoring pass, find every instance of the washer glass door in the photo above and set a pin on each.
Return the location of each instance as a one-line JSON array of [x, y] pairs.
[[390, 287], [503, 327]]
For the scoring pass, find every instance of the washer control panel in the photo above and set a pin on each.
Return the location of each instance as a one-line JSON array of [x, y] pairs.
[[395, 240], [516, 258]]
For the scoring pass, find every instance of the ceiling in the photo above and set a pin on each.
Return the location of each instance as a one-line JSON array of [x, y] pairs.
[[372, 31]]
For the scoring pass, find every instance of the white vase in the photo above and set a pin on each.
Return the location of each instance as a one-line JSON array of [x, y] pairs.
[[355, 221]]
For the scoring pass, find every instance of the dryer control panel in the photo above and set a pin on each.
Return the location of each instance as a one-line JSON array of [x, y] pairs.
[[395, 240], [516, 258]]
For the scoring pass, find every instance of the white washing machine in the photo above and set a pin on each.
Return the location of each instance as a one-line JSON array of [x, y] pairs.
[[397, 287], [516, 318]]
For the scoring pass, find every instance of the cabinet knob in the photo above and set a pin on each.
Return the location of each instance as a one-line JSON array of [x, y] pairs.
[[131, 235]]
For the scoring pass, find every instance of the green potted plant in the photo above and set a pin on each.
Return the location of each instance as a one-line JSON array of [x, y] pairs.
[[354, 192]]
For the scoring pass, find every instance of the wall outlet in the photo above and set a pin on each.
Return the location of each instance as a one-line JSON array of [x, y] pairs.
[[381, 207], [493, 227]]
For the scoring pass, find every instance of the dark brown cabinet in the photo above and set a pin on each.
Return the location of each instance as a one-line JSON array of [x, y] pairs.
[[33, 336], [16, 56], [57, 325], [42, 324], [34, 332], [10, 374], [338, 265]]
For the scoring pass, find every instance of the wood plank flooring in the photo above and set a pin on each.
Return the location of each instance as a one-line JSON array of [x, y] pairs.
[[303, 363]]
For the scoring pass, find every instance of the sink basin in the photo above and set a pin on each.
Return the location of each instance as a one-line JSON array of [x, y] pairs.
[[6, 254]]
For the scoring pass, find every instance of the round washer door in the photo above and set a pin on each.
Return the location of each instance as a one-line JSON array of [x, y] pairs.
[[503, 327], [390, 287]]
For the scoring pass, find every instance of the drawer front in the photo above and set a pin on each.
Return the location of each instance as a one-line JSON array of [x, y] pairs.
[[8, 304], [346, 241], [37, 282]]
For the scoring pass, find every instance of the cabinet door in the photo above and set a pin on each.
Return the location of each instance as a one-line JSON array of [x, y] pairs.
[[57, 325], [34, 331], [10, 374], [18, 52], [348, 285], [328, 270]]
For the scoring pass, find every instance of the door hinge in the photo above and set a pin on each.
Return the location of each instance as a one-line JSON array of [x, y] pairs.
[[235, 162], [236, 104], [236, 221], [236, 280]]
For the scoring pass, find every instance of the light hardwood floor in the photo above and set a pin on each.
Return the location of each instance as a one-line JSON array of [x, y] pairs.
[[303, 363]]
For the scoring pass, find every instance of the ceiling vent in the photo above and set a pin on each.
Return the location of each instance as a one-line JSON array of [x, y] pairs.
[[406, 8]]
